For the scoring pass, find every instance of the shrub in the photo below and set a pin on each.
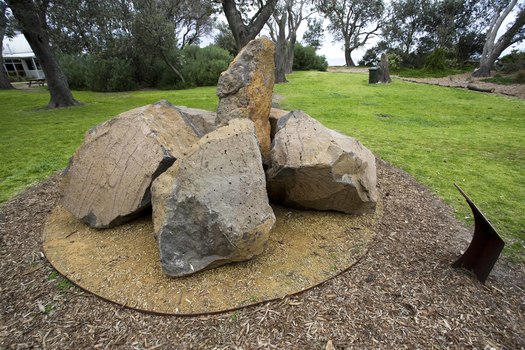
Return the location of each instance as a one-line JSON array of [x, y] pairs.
[[98, 74], [436, 61], [520, 77], [513, 62], [305, 58], [75, 68], [110, 75], [394, 61], [203, 66], [370, 58]]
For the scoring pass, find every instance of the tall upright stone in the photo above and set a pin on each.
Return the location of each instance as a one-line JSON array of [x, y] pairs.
[[383, 74], [245, 89], [211, 207], [109, 177]]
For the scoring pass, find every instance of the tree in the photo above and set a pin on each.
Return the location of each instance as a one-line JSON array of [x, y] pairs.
[[493, 48], [314, 34], [154, 30], [352, 21], [4, 78], [93, 27], [225, 40], [32, 20], [193, 20], [405, 24], [246, 29], [283, 25]]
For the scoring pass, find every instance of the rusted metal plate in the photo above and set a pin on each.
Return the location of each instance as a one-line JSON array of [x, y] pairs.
[[485, 247]]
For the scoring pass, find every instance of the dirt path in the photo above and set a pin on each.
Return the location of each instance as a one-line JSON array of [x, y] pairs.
[[459, 81], [402, 295]]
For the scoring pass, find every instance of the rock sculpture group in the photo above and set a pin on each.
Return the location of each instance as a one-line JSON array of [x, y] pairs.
[[209, 177]]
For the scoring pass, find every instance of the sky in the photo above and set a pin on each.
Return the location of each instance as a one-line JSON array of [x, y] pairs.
[[334, 52], [335, 56]]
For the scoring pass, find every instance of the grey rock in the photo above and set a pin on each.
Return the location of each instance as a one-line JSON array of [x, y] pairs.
[[109, 177], [202, 122], [211, 207], [313, 167]]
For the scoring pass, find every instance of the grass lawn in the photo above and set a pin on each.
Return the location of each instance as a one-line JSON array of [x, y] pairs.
[[439, 135]]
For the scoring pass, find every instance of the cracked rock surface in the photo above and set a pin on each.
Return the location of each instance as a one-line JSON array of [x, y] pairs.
[[313, 167], [211, 207], [109, 177]]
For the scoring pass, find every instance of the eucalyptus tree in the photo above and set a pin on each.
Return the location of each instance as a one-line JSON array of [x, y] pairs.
[[352, 21], [245, 26], [31, 17], [91, 27], [283, 25], [224, 39], [514, 33], [405, 24], [4, 78], [314, 34]]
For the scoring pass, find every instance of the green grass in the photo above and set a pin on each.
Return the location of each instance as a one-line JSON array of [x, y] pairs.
[[36, 142], [439, 135], [423, 73]]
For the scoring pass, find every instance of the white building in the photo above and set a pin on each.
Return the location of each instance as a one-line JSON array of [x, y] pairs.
[[19, 59]]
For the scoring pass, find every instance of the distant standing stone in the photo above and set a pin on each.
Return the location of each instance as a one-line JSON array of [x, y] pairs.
[[211, 207], [313, 167], [384, 70], [109, 177], [245, 89]]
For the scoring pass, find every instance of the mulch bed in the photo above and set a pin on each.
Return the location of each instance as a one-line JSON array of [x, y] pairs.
[[403, 294]]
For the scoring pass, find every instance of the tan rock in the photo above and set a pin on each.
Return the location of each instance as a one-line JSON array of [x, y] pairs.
[[275, 115], [109, 177], [245, 89], [313, 167], [211, 207]]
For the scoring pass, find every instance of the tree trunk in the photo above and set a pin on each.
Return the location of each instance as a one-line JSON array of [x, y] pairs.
[[290, 53], [32, 22], [348, 56], [241, 32], [485, 65], [281, 51], [4, 78], [173, 68], [492, 48]]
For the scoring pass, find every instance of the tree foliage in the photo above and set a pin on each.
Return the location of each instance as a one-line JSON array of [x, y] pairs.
[[414, 29], [306, 58], [224, 39], [352, 21], [141, 39], [314, 34]]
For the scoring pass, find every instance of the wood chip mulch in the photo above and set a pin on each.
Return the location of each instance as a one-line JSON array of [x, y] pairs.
[[402, 295]]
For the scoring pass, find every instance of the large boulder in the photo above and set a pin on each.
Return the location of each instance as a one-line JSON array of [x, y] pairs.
[[211, 207], [245, 89], [201, 121], [109, 177], [313, 167]]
